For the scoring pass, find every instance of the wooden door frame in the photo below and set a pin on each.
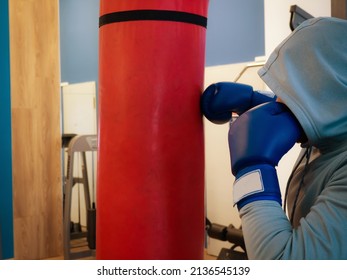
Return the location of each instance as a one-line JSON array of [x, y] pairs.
[[339, 8]]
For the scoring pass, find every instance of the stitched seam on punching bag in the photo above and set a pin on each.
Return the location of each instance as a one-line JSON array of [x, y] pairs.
[[160, 15]]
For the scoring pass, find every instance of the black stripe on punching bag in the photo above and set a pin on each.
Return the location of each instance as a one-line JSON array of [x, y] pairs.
[[160, 15]]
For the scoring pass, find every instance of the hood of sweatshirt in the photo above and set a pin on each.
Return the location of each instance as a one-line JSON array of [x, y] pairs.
[[308, 71]]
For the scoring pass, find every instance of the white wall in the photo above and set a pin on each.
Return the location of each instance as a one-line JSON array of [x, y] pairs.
[[277, 17], [218, 176]]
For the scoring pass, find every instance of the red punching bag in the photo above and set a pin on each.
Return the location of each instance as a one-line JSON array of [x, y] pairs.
[[150, 196]]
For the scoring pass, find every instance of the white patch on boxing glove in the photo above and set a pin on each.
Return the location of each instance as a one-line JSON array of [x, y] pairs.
[[248, 184]]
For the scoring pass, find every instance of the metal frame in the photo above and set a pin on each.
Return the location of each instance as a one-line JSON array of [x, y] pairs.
[[78, 144]]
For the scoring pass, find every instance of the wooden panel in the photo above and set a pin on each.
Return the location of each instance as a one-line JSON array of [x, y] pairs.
[[36, 141], [339, 8]]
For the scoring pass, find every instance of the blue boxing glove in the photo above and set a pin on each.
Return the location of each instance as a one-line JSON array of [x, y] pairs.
[[258, 139], [220, 100]]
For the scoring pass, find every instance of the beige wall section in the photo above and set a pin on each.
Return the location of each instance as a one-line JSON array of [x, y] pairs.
[[35, 93], [218, 176]]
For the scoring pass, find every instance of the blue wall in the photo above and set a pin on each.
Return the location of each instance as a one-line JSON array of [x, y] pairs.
[[6, 214], [79, 27], [235, 33]]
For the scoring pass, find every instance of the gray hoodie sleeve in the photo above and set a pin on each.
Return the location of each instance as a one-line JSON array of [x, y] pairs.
[[321, 234]]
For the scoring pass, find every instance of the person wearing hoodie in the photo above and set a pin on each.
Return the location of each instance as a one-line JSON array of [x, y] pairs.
[[307, 73]]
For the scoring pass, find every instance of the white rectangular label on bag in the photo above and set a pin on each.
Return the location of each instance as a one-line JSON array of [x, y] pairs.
[[248, 184]]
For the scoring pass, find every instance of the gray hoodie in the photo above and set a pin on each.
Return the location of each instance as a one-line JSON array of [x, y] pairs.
[[308, 71]]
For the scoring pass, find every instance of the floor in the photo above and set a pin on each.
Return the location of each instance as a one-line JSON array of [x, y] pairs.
[[80, 245]]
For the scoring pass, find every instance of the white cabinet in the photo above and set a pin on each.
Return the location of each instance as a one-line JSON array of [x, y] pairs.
[[79, 108]]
